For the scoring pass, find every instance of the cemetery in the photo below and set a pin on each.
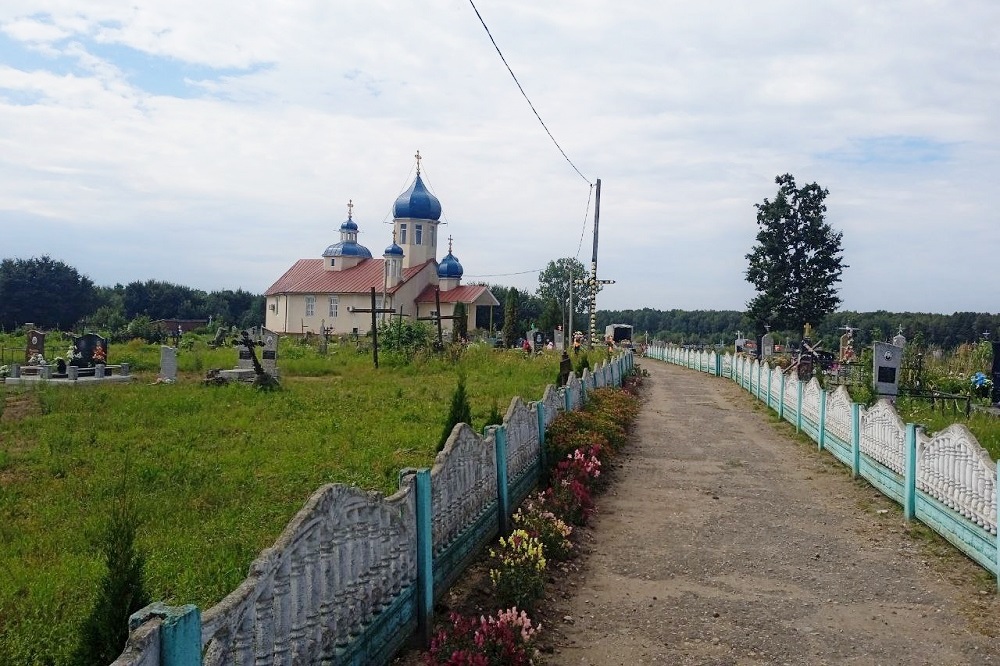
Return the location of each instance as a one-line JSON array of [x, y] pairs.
[[226, 466]]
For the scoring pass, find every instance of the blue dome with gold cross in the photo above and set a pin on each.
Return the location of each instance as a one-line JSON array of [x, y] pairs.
[[348, 245], [417, 202], [450, 267]]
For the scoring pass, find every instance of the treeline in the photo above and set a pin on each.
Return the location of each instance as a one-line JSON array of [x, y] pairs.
[[709, 327], [52, 295]]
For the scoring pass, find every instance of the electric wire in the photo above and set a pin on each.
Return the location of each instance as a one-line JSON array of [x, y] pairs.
[[586, 215], [524, 94]]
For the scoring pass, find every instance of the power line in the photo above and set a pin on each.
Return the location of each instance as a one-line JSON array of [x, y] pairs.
[[524, 94], [586, 214], [536, 270]]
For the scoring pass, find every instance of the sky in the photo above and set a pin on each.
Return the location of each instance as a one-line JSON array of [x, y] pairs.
[[213, 144]]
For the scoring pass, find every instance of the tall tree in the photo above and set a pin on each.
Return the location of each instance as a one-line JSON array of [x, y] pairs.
[[797, 260], [554, 287], [510, 319], [45, 292]]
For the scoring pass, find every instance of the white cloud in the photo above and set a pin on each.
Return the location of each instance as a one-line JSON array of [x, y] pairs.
[[686, 112]]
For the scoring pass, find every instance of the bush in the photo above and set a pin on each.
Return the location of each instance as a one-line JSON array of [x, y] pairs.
[[545, 526], [518, 574], [504, 641], [122, 592], [460, 412]]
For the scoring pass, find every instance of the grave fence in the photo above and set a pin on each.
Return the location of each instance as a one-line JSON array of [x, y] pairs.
[[353, 577], [946, 481]]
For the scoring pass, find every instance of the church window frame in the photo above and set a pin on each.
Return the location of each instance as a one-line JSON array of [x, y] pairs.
[[310, 306], [334, 304], [402, 233], [418, 234]]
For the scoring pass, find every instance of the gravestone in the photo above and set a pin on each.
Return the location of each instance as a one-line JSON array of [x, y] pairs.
[[91, 350], [168, 363], [767, 345], [899, 340], [885, 368], [244, 362], [557, 337], [36, 345], [846, 348], [269, 355]]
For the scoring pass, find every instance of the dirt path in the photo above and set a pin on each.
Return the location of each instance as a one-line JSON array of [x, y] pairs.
[[725, 540]]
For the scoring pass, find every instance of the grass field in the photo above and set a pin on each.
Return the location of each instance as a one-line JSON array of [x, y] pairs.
[[216, 472]]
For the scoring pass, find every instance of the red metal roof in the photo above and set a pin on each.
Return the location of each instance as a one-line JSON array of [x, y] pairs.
[[309, 276], [463, 294]]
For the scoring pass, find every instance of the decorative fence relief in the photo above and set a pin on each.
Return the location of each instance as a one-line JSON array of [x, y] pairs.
[[948, 481], [354, 575]]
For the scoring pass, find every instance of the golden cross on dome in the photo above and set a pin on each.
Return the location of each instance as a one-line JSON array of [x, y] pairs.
[[393, 236], [449, 243], [350, 208], [418, 162]]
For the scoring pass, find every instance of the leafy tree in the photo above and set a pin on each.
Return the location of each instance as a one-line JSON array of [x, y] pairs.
[[797, 259], [554, 288], [459, 412], [45, 292]]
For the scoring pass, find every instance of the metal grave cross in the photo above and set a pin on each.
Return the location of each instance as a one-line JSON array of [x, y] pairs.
[[375, 312], [436, 316]]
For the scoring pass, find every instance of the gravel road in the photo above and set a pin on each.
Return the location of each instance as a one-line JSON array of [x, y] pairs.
[[726, 539]]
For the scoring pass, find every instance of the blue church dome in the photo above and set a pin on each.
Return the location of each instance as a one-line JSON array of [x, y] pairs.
[[349, 225], [347, 249], [450, 267], [417, 202], [393, 251]]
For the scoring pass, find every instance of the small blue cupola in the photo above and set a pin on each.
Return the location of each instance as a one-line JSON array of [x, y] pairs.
[[348, 252], [393, 258], [449, 270]]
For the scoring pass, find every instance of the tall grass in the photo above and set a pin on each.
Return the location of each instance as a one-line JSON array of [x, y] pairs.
[[217, 471]]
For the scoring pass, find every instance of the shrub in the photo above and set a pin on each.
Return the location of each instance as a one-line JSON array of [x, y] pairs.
[[460, 412], [570, 500], [545, 526], [503, 641], [518, 575], [122, 592]]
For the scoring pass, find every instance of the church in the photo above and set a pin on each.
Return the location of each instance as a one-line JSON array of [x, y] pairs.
[[325, 292]]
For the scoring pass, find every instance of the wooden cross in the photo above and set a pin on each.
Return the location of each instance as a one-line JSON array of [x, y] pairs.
[[375, 311], [436, 316]]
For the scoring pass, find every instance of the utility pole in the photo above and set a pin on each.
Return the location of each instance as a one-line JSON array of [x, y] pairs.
[[593, 282]]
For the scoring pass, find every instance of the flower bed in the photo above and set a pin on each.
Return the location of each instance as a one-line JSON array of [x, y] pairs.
[[494, 621]]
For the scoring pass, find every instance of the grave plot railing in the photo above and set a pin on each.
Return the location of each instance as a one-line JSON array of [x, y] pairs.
[[948, 481], [354, 575]]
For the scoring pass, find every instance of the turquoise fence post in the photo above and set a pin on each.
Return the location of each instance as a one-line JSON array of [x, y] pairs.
[[770, 370], [910, 473], [781, 398], [567, 399], [760, 373], [798, 409], [855, 440], [821, 434], [718, 365], [425, 558], [180, 632], [997, 560], [503, 492]]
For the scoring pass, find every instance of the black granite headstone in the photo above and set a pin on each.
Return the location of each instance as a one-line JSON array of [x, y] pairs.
[[93, 350]]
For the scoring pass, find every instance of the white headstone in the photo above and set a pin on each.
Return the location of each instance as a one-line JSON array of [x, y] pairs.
[[168, 363], [269, 354], [886, 366]]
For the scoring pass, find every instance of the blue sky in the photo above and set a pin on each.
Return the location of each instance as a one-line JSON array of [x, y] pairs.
[[213, 144]]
